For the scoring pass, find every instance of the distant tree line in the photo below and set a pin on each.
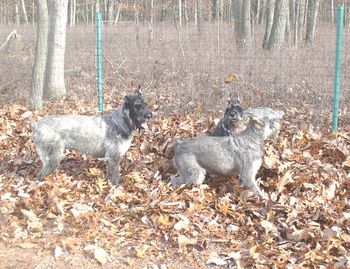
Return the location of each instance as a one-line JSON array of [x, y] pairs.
[[82, 11]]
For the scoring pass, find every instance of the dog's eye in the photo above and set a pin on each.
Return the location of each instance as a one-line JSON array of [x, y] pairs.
[[138, 106]]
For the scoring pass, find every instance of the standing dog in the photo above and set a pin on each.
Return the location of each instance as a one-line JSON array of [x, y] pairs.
[[230, 123], [238, 155], [106, 136]]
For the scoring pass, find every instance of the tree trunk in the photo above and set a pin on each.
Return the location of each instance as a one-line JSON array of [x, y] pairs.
[[1, 13], [214, 8], [55, 87], [72, 11], [24, 11], [117, 16], [110, 12], [312, 12], [301, 15], [17, 15], [278, 29], [38, 76], [270, 8], [198, 15], [150, 33], [180, 13], [243, 25]]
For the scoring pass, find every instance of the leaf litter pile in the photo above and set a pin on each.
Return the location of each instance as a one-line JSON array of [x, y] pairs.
[[305, 223]]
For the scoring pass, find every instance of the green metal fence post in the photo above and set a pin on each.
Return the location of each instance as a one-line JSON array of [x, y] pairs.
[[337, 69], [99, 60]]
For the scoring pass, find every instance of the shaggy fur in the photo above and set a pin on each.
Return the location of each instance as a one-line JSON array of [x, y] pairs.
[[238, 155], [105, 136]]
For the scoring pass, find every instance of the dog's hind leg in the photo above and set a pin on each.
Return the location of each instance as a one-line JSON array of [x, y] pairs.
[[190, 172], [51, 156]]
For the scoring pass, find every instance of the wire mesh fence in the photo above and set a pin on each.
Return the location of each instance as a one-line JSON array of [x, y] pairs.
[[191, 59]]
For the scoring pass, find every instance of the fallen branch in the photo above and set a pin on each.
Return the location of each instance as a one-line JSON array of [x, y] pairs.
[[12, 34]]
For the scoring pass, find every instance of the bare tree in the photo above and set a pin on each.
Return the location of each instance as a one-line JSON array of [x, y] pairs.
[[36, 93], [278, 29], [312, 11], [198, 14], [54, 86]]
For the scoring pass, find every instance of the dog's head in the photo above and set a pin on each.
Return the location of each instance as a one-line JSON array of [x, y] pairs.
[[137, 107], [233, 112], [266, 120]]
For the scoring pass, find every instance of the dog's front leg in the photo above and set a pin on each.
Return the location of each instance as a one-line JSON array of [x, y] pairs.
[[113, 170], [247, 176]]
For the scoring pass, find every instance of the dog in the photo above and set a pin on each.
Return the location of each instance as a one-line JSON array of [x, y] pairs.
[[230, 124], [104, 136], [239, 155]]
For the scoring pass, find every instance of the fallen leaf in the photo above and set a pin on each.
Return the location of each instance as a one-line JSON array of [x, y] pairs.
[[216, 260], [100, 255], [58, 251], [26, 245], [284, 180], [140, 252]]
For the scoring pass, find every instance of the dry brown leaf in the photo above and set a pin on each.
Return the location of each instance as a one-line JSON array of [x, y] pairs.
[[95, 171]]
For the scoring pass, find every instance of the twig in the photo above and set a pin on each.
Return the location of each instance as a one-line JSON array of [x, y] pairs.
[[12, 34]]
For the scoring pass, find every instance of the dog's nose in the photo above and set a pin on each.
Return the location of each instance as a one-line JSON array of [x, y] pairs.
[[148, 115]]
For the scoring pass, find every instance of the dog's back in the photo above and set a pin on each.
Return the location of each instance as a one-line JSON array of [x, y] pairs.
[[68, 130]]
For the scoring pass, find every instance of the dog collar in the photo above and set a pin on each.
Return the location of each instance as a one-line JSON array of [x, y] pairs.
[[229, 132]]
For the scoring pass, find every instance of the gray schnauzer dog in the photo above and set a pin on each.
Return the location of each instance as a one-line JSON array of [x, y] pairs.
[[230, 123], [105, 136], [238, 155]]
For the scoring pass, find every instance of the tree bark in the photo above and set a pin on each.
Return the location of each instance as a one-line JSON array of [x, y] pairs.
[[38, 76], [312, 12], [55, 86], [278, 29]]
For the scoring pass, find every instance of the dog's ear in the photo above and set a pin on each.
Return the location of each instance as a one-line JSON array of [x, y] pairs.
[[138, 90], [258, 124], [233, 101]]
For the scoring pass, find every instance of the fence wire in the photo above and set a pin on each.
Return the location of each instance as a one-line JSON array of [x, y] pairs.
[[187, 66]]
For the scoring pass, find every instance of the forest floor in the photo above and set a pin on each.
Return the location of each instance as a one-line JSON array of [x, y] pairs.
[[77, 217]]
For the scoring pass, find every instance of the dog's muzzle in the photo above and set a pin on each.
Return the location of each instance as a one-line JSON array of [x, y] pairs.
[[143, 125]]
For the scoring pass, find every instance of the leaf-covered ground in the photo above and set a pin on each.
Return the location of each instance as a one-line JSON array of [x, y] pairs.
[[76, 218]]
